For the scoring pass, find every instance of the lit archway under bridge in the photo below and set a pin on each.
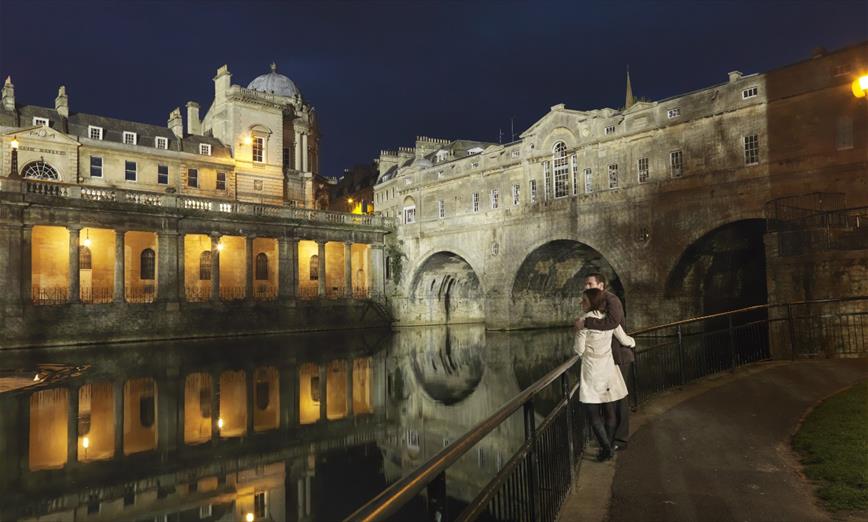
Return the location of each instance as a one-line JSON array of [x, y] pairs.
[[446, 289]]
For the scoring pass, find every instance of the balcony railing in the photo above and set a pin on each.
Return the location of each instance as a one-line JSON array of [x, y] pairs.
[[334, 292], [264, 293], [187, 202], [52, 295], [194, 294], [232, 293], [96, 295], [144, 294], [307, 292]]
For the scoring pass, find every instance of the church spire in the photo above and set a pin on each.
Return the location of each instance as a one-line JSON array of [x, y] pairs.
[[630, 100]]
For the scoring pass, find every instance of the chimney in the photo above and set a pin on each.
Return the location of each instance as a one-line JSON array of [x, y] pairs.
[[734, 76], [388, 159], [8, 95], [176, 124], [61, 103], [194, 126], [222, 82]]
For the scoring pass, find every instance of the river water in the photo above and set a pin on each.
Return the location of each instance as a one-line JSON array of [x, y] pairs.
[[285, 428]]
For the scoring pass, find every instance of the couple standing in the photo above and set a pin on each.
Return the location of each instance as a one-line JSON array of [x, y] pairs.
[[602, 344]]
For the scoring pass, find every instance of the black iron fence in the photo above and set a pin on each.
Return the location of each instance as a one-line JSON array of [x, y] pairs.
[[53, 295], [536, 480], [264, 293], [142, 294], [232, 293], [96, 295]]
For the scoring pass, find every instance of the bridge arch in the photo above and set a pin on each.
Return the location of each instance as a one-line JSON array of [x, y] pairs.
[[445, 288]]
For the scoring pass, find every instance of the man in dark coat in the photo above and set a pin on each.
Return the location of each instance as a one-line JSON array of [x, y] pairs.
[[623, 355]]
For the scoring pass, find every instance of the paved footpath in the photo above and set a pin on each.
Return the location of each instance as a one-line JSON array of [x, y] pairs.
[[724, 454]]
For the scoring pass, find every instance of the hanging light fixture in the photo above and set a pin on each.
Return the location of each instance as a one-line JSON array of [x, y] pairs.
[[87, 238]]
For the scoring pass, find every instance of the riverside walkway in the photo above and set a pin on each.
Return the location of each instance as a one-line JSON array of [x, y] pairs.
[[718, 449]]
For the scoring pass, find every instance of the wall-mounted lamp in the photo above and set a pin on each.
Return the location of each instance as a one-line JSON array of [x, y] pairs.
[[85, 442], [249, 517], [860, 86], [87, 238], [14, 144], [220, 423], [248, 139], [220, 247]]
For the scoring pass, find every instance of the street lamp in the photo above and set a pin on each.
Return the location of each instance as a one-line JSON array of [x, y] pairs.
[[860, 86], [14, 166]]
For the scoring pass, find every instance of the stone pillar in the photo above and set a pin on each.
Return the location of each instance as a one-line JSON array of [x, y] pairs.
[[167, 266], [248, 246], [181, 268], [287, 267], [297, 147], [119, 267], [323, 389], [119, 417], [304, 153], [349, 388], [26, 264], [321, 279], [215, 267], [72, 426], [74, 274], [376, 269], [348, 269]]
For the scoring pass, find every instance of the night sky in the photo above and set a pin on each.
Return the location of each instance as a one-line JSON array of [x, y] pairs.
[[381, 73]]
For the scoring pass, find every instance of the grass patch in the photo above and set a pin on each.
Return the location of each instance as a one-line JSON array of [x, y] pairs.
[[833, 444]]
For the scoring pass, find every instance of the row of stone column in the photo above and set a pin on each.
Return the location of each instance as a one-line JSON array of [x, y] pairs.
[[301, 153]]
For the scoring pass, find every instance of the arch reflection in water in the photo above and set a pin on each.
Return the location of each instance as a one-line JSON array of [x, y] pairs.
[[266, 399], [447, 360], [233, 404], [140, 415], [96, 421]]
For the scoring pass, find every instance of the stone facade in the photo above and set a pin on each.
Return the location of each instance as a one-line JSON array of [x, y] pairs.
[[665, 198]]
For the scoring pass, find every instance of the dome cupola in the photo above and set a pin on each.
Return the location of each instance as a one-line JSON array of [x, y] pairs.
[[274, 83]]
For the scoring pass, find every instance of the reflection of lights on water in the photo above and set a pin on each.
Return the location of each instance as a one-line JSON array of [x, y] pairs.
[[249, 517], [36, 377], [85, 442], [220, 423]]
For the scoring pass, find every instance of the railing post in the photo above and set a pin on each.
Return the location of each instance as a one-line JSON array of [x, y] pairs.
[[792, 327], [436, 492], [565, 389], [530, 435], [731, 343], [633, 377], [680, 353]]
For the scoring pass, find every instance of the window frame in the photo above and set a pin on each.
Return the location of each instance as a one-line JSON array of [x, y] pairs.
[[206, 264], [533, 190], [560, 171], [205, 149], [547, 176], [589, 180], [474, 202], [673, 113], [640, 163], [134, 170], [135, 138], [261, 267], [516, 195], [441, 209], [253, 149], [609, 130], [494, 196], [409, 214], [160, 174], [37, 120], [149, 268], [751, 150], [218, 181], [676, 168], [613, 176], [574, 169], [99, 130], [161, 140], [193, 176], [749, 92], [92, 167]]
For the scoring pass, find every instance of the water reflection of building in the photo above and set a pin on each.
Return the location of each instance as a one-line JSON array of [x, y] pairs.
[[214, 439]]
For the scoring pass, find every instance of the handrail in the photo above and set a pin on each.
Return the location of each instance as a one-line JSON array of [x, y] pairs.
[[391, 499], [401, 491]]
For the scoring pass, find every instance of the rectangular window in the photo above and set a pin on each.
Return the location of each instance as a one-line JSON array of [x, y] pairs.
[[441, 209], [613, 176], [610, 129], [130, 170], [589, 181], [221, 181], [258, 150], [410, 214], [533, 191], [844, 134], [673, 113], [643, 170], [286, 156], [40, 121], [205, 149], [193, 178], [574, 168], [675, 163], [750, 92], [515, 195], [260, 505], [562, 175], [516, 153], [751, 150], [95, 166], [130, 138], [841, 70], [161, 142], [474, 201], [94, 133], [495, 198], [162, 174], [547, 179]]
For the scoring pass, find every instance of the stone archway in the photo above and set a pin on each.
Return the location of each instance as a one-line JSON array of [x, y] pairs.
[[547, 287], [446, 289]]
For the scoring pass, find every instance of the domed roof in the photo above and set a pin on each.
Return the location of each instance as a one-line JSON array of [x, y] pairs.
[[274, 83]]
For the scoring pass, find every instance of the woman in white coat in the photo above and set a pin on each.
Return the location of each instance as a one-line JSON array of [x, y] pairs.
[[601, 384]]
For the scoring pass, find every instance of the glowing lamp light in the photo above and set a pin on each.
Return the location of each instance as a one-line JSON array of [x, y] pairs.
[[85, 442], [249, 517], [860, 86], [14, 143], [36, 377], [220, 423], [86, 242], [220, 247], [248, 139], [349, 200]]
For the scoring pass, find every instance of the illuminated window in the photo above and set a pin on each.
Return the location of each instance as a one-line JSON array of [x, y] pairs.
[[258, 150], [261, 266], [205, 266], [561, 169], [148, 264], [314, 267], [84, 258]]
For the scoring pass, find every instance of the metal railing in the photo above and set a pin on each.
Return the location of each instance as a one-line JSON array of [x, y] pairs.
[[232, 293], [195, 294], [307, 292], [144, 294], [264, 293], [53, 295], [536, 480], [96, 295], [189, 202]]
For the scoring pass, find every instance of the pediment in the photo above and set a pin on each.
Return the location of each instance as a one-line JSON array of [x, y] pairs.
[[42, 134]]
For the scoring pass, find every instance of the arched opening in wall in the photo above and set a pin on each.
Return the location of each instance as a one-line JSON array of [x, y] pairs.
[[555, 272], [723, 270], [449, 288]]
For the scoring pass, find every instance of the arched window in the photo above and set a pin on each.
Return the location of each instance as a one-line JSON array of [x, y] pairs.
[[205, 266], [314, 267], [84, 258], [148, 263], [261, 266], [40, 170], [561, 169]]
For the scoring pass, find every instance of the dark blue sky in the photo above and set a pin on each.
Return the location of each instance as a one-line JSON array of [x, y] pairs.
[[380, 73]]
